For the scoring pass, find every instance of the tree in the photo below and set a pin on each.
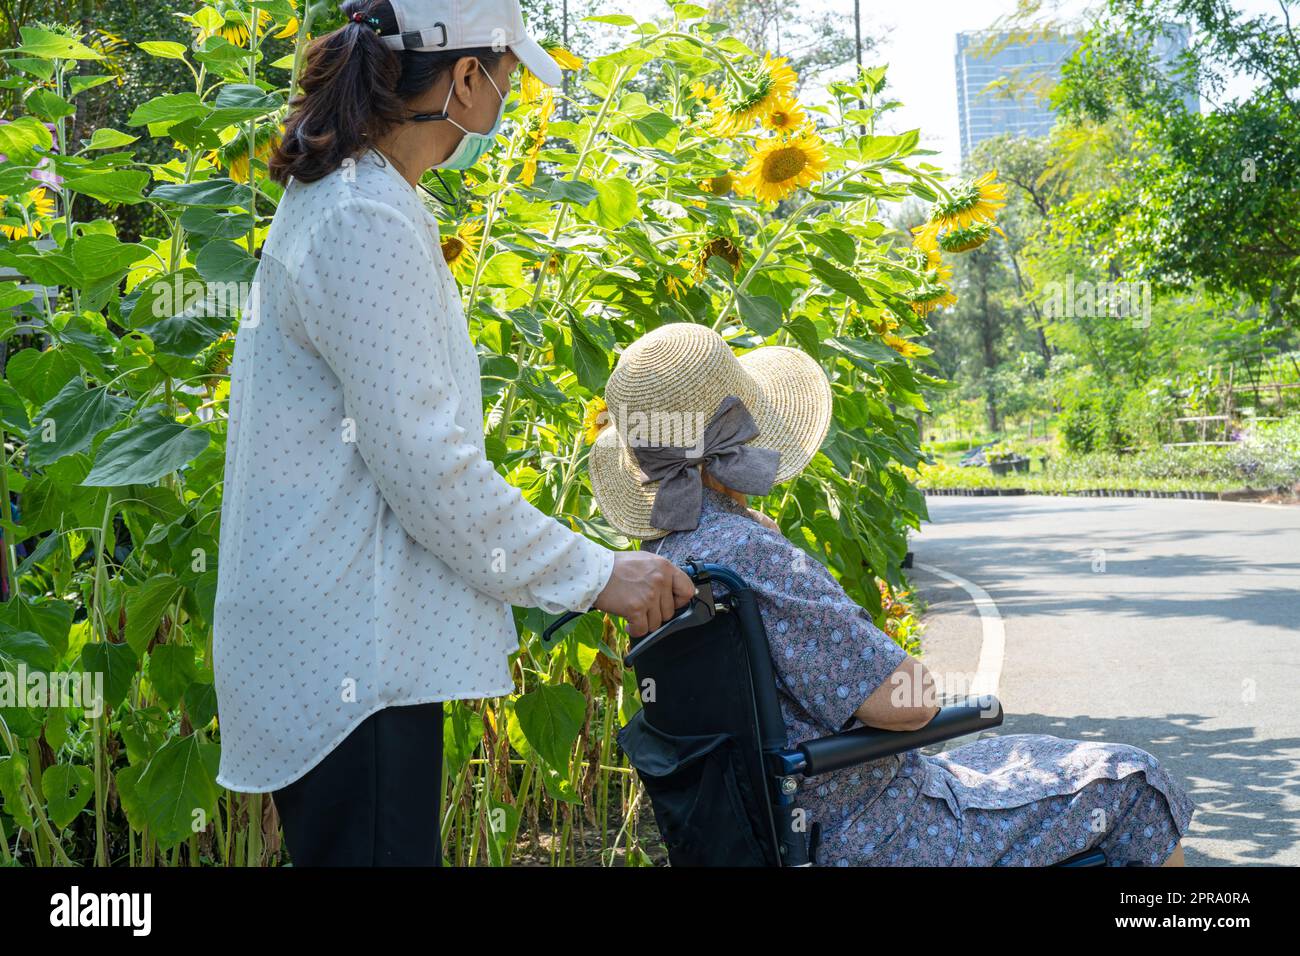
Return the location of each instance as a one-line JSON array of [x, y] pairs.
[[1210, 198], [998, 314], [1026, 166]]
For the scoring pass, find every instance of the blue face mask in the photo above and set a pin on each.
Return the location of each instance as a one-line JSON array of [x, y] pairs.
[[472, 145]]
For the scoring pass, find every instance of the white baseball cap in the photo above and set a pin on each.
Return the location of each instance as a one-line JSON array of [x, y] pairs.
[[431, 25]]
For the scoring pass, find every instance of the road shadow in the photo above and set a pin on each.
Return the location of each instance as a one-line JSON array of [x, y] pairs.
[[1011, 572], [1241, 785]]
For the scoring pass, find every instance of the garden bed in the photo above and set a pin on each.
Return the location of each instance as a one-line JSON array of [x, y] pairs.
[[1263, 466]]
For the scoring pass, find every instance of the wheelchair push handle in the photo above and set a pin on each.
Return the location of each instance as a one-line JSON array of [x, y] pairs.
[[699, 610], [699, 573], [559, 622]]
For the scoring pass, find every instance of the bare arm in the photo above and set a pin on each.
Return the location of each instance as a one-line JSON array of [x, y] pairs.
[[905, 701]]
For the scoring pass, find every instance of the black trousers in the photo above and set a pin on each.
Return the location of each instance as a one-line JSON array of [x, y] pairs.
[[375, 799]]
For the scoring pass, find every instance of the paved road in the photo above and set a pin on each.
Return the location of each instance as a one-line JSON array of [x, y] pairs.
[[1171, 625]]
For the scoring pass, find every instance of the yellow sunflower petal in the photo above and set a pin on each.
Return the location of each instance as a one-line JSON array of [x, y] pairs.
[[460, 250], [530, 87], [927, 236], [566, 60], [594, 420]]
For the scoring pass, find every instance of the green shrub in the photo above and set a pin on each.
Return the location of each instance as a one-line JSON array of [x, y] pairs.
[[1145, 415], [1094, 420], [1269, 455], [1082, 424]]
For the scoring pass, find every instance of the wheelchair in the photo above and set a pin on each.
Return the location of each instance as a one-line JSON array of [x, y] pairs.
[[709, 742]]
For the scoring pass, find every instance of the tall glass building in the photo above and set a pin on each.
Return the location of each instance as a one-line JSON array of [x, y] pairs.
[[1003, 82]]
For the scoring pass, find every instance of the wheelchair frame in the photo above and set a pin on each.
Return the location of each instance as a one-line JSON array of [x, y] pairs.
[[782, 764]]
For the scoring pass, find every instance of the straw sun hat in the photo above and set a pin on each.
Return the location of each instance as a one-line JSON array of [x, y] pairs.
[[679, 397]]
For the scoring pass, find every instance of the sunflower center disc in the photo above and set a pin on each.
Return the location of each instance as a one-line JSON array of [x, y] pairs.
[[783, 164]]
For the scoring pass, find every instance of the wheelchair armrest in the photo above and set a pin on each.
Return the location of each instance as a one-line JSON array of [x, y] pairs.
[[862, 744]]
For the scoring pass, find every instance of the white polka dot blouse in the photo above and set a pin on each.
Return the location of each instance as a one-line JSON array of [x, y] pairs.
[[369, 550]]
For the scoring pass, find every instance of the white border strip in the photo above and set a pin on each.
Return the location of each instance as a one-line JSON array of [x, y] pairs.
[[993, 648]]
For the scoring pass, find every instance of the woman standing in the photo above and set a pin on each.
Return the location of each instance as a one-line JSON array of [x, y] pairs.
[[369, 550]]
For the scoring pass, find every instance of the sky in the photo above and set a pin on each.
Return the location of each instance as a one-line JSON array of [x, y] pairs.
[[919, 41]]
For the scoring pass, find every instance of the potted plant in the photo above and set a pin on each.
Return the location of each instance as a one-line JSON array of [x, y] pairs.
[[1003, 459]]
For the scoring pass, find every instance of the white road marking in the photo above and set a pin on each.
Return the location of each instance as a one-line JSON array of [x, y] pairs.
[[993, 647]]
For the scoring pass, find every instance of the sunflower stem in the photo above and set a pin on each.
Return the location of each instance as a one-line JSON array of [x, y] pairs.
[[716, 54], [250, 129], [522, 353], [299, 47], [771, 244]]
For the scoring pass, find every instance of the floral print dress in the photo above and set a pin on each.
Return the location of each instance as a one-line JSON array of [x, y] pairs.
[[1012, 800]]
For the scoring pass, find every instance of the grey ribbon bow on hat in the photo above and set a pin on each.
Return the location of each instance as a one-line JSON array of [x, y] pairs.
[[680, 495]]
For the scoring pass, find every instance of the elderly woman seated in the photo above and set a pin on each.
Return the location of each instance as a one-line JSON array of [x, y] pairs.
[[692, 430]]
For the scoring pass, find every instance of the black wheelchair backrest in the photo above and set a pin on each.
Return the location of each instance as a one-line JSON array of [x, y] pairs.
[[697, 741]]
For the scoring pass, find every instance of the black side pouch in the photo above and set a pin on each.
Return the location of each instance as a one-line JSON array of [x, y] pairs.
[[703, 803]]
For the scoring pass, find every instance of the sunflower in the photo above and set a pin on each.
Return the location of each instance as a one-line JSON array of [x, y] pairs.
[[972, 237], [934, 263], [215, 359], [723, 248], [20, 216], [904, 347], [290, 29], [784, 115], [594, 419], [928, 298], [233, 156], [935, 291], [702, 92], [234, 28], [530, 87], [719, 185], [567, 60], [744, 101], [970, 203], [535, 134], [780, 165], [881, 323], [461, 249]]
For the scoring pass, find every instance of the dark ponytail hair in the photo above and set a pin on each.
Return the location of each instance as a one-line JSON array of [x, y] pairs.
[[355, 89]]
